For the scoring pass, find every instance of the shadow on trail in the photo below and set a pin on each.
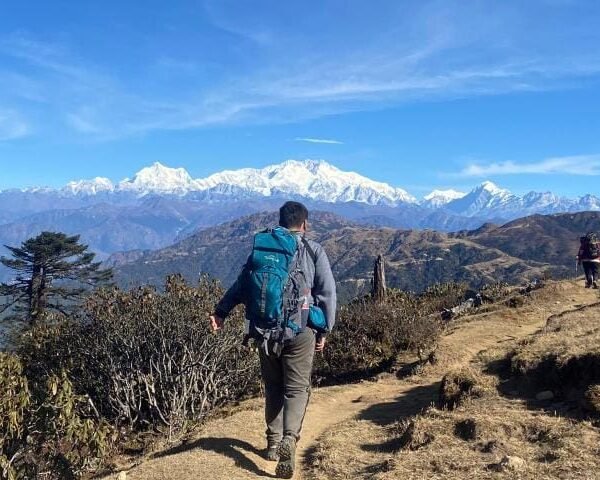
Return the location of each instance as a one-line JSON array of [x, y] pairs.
[[408, 404], [228, 447], [384, 414]]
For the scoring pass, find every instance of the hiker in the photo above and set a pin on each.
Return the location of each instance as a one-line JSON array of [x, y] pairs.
[[589, 257], [288, 320]]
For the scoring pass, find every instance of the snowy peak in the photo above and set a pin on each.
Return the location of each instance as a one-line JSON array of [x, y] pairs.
[[314, 179], [158, 178], [487, 197], [438, 198], [89, 187], [492, 188], [320, 181]]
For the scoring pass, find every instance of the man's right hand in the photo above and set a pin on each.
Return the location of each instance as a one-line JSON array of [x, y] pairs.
[[320, 344], [216, 323]]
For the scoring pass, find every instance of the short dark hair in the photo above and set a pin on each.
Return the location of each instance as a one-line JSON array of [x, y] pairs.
[[292, 214]]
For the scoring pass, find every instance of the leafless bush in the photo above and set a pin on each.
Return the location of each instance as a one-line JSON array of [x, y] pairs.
[[149, 359], [370, 334]]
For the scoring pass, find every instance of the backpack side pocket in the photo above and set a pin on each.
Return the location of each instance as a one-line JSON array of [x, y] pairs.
[[316, 320]]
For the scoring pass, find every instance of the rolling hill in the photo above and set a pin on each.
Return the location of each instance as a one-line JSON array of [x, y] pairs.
[[525, 248]]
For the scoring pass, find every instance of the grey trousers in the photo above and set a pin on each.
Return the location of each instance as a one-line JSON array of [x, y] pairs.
[[591, 271], [287, 386]]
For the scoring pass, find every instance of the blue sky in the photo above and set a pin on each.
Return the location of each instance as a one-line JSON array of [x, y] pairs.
[[421, 94]]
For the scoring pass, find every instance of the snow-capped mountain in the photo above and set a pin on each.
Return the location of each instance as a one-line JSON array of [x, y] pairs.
[[480, 201], [492, 202], [309, 180], [314, 180], [160, 205], [89, 187], [438, 198], [159, 179]]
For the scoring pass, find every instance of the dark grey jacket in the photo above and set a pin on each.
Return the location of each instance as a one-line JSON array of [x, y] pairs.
[[320, 279]]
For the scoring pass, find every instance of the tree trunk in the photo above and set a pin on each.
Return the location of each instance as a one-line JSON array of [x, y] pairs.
[[37, 291], [379, 286]]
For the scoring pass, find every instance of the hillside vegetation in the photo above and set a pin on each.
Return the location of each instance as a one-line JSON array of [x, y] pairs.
[[132, 368], [532, 247]]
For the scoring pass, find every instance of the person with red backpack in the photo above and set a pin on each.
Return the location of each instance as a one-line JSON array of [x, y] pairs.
[[589, 257], [289, 293]]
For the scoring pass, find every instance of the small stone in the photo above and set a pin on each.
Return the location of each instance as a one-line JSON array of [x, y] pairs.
[[513, 463], [545, 395], [122, 476]]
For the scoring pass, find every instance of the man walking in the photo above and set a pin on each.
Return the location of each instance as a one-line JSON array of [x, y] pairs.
[[286, 348], [589, 257]]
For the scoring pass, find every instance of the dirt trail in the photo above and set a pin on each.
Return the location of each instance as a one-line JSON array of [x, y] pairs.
[[230, 448]]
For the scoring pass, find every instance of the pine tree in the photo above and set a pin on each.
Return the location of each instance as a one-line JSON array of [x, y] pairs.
[[53, 272]]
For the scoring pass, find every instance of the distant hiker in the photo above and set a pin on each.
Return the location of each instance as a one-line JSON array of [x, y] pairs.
[[589, 257], [289, 292]]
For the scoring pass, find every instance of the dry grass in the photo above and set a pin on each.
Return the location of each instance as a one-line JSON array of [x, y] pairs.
[[563, 359], [387, 429], [477, 431], [461, 385]]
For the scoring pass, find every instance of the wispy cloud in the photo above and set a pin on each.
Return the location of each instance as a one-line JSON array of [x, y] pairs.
[[12, 125], [377, 60], [571, 165], [327, 141]]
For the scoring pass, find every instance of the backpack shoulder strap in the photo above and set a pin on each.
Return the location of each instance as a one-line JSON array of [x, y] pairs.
[[309, 249]]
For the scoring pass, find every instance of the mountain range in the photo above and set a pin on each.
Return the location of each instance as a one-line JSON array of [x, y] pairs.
[[160, 205], [529, 247]]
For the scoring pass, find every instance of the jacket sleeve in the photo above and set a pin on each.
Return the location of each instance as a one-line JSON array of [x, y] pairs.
[[324, 292], [233, 296]]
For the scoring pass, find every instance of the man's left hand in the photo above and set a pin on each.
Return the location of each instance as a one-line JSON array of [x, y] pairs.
[[320, 345]]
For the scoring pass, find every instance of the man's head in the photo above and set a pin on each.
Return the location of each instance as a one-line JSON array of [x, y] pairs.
[[293, 216]]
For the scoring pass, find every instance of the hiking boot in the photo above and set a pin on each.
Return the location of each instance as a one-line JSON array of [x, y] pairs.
[[287, 458], [588, 285], [272, 451], [595, 285]]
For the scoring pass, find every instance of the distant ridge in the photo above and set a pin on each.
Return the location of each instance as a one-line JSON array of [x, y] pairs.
[[523, 249], [318, 181], [160, 205]]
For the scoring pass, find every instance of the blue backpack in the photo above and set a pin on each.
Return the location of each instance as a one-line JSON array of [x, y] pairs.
[[276, 289]]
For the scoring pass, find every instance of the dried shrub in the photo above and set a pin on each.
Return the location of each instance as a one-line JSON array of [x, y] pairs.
[[14, 404], [516, 301], [370, 334], [494, 292], [592, 398], [457, 387], [148, 359], [411, 436], [443, 296]]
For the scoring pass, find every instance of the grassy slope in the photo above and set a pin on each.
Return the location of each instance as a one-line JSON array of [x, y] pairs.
[[500, 429], [356, 431]]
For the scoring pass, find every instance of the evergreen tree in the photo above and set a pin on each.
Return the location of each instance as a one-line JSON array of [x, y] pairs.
[[53, 272]]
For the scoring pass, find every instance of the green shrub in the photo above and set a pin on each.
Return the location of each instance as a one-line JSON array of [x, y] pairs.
[[14, 405], [46, 428]]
